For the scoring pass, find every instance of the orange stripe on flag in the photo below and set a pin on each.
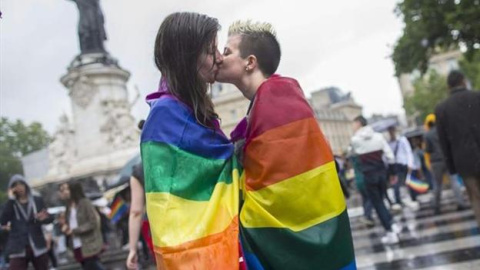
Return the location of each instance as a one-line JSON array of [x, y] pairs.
[[284, 152], [216, 251]]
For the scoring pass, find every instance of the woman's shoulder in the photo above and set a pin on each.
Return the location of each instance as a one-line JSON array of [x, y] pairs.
[[167, 103], [84, 202]]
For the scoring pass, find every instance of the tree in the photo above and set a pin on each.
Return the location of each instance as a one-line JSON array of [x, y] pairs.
[[435, 26], [429, 91], [472, 70], [17, 140]]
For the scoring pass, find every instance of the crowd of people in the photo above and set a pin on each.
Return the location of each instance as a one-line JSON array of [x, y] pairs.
[[448, 149], [268, 197]]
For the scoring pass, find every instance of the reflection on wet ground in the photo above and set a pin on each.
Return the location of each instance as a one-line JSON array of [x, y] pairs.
[[450, 240]]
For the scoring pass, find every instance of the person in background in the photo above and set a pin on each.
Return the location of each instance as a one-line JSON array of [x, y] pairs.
[[138, 221], [48, 231], [402, 152], [371, 148], [339, 166], [458, 129], [24, 214], [418, 159], [82, 226], [439, 168], [366, 202]]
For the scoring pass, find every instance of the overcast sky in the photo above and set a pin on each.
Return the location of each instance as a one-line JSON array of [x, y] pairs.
[[324, 43]]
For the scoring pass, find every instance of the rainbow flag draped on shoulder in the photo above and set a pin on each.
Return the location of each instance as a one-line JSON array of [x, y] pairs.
[[294, 214], [191, 185]]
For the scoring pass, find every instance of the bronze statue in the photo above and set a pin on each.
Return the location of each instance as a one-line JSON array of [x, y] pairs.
[[91, 32]]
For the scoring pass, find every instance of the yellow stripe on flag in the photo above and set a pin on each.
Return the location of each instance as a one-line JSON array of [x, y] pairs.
[[296, 203], [174, 220]]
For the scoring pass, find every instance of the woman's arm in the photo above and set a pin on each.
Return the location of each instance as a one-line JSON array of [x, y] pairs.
[[135, 220], [7, 214]]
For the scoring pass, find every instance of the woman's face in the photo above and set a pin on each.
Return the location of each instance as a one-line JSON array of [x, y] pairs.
[[208, 63], [19, 188], [232, 68], [64, 192]]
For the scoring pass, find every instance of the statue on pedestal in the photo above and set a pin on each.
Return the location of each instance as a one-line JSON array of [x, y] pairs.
[[91, 31], [119, 124], [61, 151]]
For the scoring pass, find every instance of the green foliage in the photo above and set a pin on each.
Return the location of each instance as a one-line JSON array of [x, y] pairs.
[[435, 26], [429, 91], [471, 69], [17, 140]]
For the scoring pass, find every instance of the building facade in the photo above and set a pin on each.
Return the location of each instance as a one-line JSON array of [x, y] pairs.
[[334, 111], [442, 63]]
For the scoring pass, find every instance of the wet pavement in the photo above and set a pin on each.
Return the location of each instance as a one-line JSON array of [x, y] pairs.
[[450, 240]]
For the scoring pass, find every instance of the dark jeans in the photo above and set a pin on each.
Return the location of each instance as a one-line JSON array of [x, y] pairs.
[[39, 263], [367, 204], [90, 263], [53, 258], [402, 171], [374, 185]]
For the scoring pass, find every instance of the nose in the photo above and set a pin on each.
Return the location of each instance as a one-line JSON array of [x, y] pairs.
[[219, 57]]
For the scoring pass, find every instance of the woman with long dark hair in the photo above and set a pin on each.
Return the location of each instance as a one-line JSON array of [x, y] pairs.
[[82, 226], [191, 183]]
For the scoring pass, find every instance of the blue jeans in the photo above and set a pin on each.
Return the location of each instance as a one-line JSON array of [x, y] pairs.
[[367, 204], [374, 185]]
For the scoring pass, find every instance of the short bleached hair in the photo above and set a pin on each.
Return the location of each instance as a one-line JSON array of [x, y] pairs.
[[258, 39], [249, 27]]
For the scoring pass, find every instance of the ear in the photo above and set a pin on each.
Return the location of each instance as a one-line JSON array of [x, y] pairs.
[[251, 62]]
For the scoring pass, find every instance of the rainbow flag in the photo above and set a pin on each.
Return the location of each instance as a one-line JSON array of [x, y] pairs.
[[191, 185], [294, 214], [118, 209], [416, 184]]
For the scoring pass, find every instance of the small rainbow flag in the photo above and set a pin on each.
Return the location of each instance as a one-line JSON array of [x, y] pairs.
[[416, 184], [119, 209]]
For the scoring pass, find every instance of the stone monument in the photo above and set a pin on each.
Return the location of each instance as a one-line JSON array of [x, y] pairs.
[[102, 135]]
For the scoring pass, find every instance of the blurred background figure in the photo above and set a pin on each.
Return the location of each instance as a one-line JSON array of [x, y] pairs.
[[458, 128], [82, 226], [23, 215], [439, 168], [371, 147], [402, 152]]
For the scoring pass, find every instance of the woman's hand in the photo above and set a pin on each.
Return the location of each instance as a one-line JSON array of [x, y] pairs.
[[66, 230], [132, 260]]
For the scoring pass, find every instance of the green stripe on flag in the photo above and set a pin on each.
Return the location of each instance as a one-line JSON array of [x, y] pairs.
[[170, 169], [325, 246]]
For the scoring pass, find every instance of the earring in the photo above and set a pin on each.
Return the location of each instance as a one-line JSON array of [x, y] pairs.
[[246, 68]]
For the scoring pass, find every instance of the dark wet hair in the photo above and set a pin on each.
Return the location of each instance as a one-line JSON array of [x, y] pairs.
[[361, 120], [180, 41], [76, 192], [455, 78]]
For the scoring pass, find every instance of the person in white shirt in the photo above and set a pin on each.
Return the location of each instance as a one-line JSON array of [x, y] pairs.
[[404, 163]]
